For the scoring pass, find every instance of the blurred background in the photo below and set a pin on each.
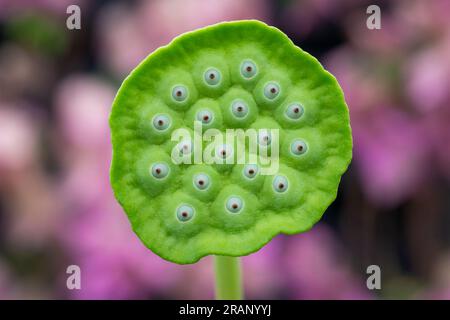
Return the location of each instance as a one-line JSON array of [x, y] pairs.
[[57, 208]]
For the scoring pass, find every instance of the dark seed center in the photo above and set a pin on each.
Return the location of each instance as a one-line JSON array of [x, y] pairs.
[[273, 90], [160, 122], [300, 148], [296, 110], [158, 170], [212, 76], [251, 171], [249, 69], [281, 186], [206, 118], [184, 214], [201, 182], [234, 206], [178, 93], [239, 108]]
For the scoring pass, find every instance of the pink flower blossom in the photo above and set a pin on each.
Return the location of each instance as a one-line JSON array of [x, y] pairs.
[[391, 152], [428, 79], [83, 103], [128, 34], [317, 268], [18, 138]]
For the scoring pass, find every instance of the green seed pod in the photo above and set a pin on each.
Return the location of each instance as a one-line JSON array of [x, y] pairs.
[[242, 75]]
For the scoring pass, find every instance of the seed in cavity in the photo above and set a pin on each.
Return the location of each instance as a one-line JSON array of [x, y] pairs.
[[201, 181], [159, 170], [185, 212], [298, 147], [280, 184], [234, 204], [294, 111]]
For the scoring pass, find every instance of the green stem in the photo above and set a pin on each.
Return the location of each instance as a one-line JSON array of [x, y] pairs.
[[228, 278]]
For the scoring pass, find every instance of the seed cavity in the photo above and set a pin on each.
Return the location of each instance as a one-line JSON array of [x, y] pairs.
[[280, 184], [298, 147], [161, 122], [234, 204], [205, 116], [264, 138], [250, 171], [179, 93], [185, 212], [271, 90], [212, 76], [239, 109], [248, 69], [202, 181], [185, 147], [294, 111], [224, 151], [159, 170]]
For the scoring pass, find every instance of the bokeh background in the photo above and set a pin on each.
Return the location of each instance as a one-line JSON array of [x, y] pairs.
[[57, 208]]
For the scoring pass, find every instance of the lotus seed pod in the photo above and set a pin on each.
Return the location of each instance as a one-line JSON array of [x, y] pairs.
[[191, 193]]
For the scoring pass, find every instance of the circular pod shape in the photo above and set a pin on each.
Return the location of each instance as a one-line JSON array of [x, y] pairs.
[[242, 75]]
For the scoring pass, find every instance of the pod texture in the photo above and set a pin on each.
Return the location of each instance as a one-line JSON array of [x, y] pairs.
[[241, 74]]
